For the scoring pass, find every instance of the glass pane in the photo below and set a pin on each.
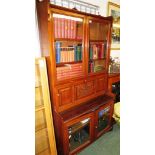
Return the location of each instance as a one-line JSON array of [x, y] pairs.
[[103, 118], [98, 33], [68, 35], [79, 133]]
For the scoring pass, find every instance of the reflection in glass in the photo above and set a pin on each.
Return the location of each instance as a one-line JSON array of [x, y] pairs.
[[79, 133], [98, 33], [103, 118], [68, 35]]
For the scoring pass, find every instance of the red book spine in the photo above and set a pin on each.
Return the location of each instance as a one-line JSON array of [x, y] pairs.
[[72, 28], [99, 51], [102, 51], [59, 28], [69, 28], [63, 28], [66, 28], [55, 27]]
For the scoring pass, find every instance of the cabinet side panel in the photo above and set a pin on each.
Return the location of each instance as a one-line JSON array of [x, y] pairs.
[[42, 20], [58, 127]]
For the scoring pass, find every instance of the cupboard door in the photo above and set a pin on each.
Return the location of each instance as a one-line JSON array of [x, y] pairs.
[[84, 89], [103, 119], [68, 48], [79, 133], [101, 84], [64, 96], [98, 43]]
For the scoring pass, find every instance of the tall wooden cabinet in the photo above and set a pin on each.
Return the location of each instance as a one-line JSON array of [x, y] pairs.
[[77, 57]]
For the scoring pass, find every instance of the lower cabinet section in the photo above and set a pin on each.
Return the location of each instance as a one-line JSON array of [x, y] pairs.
[[82, 125]]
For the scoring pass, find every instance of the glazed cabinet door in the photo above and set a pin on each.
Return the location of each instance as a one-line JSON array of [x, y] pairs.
[[67, 34], [78, 133], [98, 41], [103, 119], [64, 96]]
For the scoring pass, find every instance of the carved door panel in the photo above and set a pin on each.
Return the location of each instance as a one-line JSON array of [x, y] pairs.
[[84, 89], [64, 96]]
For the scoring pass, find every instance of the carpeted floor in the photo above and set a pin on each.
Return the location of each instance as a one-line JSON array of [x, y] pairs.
[[108, 144]]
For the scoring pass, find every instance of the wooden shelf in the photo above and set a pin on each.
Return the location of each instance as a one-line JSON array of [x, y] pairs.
[[113, 74], [64, 63], [96, 40], [97, 59], [67, 39], [95, 73]]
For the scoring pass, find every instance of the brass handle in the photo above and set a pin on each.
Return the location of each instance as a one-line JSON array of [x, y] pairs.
[[58, 94], [96, 127]]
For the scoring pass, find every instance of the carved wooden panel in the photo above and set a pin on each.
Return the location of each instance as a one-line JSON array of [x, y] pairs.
[[84, 89]]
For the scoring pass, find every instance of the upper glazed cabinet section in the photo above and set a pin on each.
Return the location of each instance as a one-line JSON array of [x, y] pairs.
[[68, 45], [79, 44]]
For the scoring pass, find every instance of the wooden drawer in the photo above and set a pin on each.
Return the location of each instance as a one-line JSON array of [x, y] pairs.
[[101, 84], [84, 89]]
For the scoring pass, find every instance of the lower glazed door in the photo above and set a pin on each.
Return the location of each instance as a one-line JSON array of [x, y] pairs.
[[78, 133], [103, 119]]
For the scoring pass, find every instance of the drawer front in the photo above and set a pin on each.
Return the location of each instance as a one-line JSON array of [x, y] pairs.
[[64, 96], [84, 89], [101, 84]]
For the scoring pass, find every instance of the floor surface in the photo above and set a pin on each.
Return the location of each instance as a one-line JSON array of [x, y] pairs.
[[108, 144]]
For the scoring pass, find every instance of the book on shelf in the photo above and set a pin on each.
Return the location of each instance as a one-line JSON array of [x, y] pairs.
[[69, 70], [59, 28], [64, 28], [78, 52], [97, 50], [56, 27], [68, 54], [69, 28], [58, 51]]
